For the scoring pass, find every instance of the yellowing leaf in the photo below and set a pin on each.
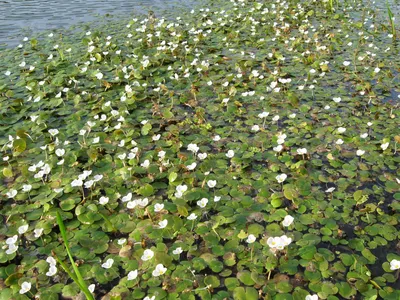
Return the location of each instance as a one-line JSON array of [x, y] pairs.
[[242, 235]]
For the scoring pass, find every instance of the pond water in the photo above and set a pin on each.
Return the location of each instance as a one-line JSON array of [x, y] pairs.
[[24, 17], [19, 17]]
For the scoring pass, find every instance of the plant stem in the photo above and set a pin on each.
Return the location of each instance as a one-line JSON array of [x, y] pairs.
[[78, 279]]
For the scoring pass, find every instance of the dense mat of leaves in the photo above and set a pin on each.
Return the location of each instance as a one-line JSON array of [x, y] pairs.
[[243, 150]]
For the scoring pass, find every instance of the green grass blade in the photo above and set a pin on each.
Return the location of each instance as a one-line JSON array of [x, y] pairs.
[[79, 279], [66, 269], [390, 14]]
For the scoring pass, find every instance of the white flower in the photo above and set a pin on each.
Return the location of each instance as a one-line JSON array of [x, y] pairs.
[[177, 251], [163, 223], [339, 142], [211, 183], [364, 135], [26, 187], [145, 164], [280, 141], [178, 194], [91, 287], [51, 261], [281, 137], [132, 275], [217, 198], [149, 298], [341, 129], [52, 271], [216, 138], [337, 99], [192, 166], [384, 146], [330, 190], [202, 156], [96, 140], [99, 76], [193, 148], [38, 232], [251, 239], [302, 151], [202, 203], [159, 270], [192, 217], [132, 204], [89, 183], [142, 202], [12, 240], [158, 207], [98, 177], [369, 124], [255, 128], [12, 193], [77, 182], [122, 156], [346, 63], [181, 188], [264, 114], [311, 297], [395, 264], [161, 154], [53, 132], [327, 107], [274, 242], [275, 118], [25, 287], [121, 241], [23, 228], [285, 240], [103, 200], [278, 148], [360, 152], [281, 178], [156, 137], [376, 70], [292, 116], [230, 154], [46, 169], [108, 264], [147, 255], [287, 221], [11, 249]]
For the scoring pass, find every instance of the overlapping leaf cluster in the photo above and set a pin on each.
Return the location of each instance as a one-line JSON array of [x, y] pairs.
[[174, 150]]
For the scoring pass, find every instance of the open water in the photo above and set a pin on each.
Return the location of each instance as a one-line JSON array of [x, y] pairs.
[[19, 18]]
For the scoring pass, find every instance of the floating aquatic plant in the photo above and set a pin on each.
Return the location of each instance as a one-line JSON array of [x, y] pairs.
[[240, 150]]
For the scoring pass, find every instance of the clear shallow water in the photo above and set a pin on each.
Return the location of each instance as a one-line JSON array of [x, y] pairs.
[[23, 17]]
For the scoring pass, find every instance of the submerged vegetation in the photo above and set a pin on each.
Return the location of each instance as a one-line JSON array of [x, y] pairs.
[[244, 150]]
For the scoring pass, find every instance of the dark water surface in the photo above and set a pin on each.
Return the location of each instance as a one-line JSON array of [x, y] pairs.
[[19, 18]]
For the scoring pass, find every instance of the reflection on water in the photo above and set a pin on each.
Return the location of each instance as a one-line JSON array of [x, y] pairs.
[[39, 15]]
